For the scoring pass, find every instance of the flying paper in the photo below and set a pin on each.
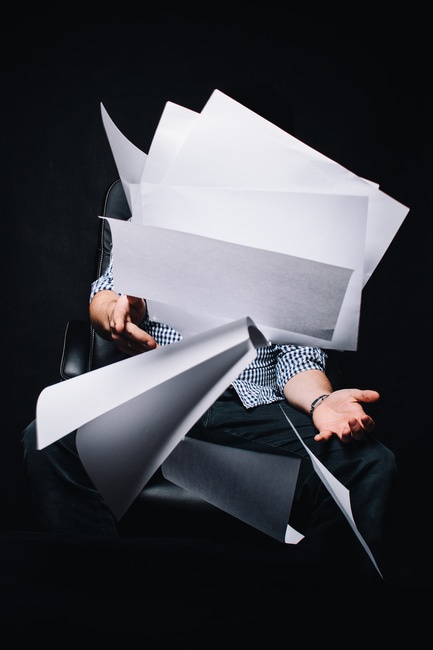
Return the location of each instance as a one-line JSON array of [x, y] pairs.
[[255, 487], [240, 234], [338, 491], [131, 414], [226, 178]]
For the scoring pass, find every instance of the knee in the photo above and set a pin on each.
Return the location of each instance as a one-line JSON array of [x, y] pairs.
[[390, 459], [29, 438], [385, 458], [31, 454], [378, 463], [55, 453]]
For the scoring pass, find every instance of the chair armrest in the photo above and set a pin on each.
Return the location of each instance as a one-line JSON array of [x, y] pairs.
[[76, 349]]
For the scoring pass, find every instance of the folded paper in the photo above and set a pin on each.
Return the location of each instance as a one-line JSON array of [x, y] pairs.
[[131, 414]]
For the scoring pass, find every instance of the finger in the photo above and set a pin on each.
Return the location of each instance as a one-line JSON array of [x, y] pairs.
[[324, 435], [138, 347], [134, 346], [137, 340], [367, 395], [368, 424], [356, 430], [139, 336], [119, 316]]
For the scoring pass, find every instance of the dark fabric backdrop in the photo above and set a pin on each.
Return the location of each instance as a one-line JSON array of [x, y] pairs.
[[356, 89]]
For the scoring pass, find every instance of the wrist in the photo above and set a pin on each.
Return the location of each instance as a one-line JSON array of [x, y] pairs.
[[315, 403]]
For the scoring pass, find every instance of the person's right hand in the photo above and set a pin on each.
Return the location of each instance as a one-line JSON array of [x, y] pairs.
[[125, 333]]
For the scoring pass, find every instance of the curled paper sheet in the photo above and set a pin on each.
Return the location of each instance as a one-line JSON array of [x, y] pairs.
[[251, 279], [132, 414], [231, 177], [339, 493], [130, 160], [255, 487]]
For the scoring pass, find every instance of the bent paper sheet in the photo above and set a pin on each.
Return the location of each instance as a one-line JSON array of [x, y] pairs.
[[337, 490], [238, 217], [130, 415], [231, 176], [255, 487]]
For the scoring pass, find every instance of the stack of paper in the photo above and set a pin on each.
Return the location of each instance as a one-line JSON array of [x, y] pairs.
[[233, 217]]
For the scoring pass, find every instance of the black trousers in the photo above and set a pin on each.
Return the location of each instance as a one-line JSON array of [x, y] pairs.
[[66, 501]]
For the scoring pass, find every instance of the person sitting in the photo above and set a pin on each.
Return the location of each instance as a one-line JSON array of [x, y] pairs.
[[332, 423]]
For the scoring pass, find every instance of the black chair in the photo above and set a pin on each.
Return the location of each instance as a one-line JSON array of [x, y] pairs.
[[162, 508]]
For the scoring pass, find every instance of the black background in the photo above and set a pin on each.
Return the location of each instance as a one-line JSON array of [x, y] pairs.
[[356, 88]]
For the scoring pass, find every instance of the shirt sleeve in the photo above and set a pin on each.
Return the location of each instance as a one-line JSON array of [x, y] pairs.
[[292, 359], [105, 281]]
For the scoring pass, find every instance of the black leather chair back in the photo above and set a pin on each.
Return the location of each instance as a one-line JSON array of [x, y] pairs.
[[115, 206], [83, 348]]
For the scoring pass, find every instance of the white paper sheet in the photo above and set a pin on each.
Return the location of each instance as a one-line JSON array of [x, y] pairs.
[[339, 493], [230, 146], [249, 277], [219, 193], [130, 162], [255, 487], [174, 126], [227, 174], [130, 415]]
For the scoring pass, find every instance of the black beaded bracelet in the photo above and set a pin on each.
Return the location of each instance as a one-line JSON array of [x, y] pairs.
[[316, 403]]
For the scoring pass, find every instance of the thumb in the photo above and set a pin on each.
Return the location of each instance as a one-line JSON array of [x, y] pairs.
[[367, 395]]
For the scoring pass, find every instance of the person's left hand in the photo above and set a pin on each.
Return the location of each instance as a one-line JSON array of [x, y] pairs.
[[342, 415]]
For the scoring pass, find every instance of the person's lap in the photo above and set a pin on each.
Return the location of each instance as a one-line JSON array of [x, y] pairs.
[[365, 467], [62, 489]]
